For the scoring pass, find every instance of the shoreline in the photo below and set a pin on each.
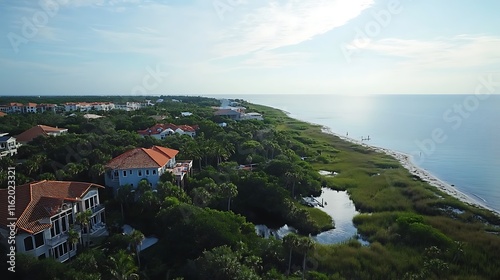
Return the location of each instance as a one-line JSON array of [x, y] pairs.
[[406, 161]]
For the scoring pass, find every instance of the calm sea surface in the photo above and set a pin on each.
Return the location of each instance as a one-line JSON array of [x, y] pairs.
[[454, 137]]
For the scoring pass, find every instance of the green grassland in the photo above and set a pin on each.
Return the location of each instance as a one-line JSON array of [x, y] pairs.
[[416, 231]]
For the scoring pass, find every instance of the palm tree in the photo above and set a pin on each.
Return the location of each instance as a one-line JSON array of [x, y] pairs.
[[228, 190], [291, 241], [136, 238], [123, 196], [122, 266], [73, 236], [83, 218], [293, 176], [305, 245]]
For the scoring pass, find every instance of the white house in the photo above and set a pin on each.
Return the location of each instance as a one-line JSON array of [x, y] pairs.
[[15, 108], [8, 145], [103, 106], [251, 116], [161, 131], [46, 211], [128, 106], [46, 107], [30, 108]]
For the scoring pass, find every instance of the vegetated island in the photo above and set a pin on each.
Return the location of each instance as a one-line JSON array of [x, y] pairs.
[[252, 171]]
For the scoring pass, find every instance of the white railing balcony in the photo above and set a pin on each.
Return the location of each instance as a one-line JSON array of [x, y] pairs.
[[56, 240]]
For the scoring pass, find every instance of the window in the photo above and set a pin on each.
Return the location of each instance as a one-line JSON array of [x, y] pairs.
[[115, 173], [154, 171], [87, 204], [140, 172], [57, 227], [147, 172], [63, 223], [124, 173], [28, 243], [39, 239], [130, 172]]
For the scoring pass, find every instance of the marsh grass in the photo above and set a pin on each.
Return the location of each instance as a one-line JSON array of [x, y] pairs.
[[383, 191]]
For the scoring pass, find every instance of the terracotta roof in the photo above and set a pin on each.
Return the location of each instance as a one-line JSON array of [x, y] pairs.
[[155, 157], [38, 200], [30, 105], [12, 104], [2, 114], [36, 131], [159, 128]]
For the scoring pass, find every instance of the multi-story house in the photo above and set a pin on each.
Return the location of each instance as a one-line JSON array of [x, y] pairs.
[[103, 106], [15, 107], [144, 164], [161, 131], [44, 213], [128, 106], [41, 108], [30, 108], [8, 145]]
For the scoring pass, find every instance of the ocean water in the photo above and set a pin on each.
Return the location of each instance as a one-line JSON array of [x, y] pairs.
[[454, 137]]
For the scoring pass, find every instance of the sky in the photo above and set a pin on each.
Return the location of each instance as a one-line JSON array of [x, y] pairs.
[[205, 47]]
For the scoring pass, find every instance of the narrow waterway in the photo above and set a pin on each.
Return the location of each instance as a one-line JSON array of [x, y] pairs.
[[339, 206]]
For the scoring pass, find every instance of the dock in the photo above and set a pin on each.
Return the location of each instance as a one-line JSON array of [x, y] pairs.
[[311, 202]]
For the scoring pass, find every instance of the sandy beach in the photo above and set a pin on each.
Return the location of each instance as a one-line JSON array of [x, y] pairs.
[[406, 162]]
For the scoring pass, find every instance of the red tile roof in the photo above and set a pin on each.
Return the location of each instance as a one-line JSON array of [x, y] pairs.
[[36, 131], [2, 114], [30, 104], [38, 200], [155, 157], [158, 128]]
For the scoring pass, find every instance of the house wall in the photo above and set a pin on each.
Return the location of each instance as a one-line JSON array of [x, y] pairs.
[[134, 176]]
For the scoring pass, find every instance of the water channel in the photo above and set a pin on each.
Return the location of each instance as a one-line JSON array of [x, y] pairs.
[[340, 207]]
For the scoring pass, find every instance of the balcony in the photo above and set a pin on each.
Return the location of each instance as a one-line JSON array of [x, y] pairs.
[[96, 209], [61, 238]]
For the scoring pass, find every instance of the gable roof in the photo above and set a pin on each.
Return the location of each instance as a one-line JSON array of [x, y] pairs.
[[155, 157], [6, 138], [226, 112], [38, 200], [36, 131], [160, 127]]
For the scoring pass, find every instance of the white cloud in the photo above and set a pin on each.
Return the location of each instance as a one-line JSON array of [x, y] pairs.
[[463, 51], [278, 25]]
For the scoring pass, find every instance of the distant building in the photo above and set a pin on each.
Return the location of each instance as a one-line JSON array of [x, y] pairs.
[[41, 108], [228, 113], [160, 131], [186, 114], [39, 130], [30, 108], [128, 106], [251, 116], [92, 116], [46, 212]]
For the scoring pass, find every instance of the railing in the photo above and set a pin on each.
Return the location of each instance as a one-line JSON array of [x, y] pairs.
[[97, 208], [54, 241]]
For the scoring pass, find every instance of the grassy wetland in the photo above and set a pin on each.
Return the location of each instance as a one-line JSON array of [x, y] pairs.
[[415, 230]]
